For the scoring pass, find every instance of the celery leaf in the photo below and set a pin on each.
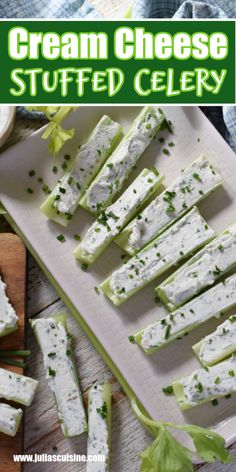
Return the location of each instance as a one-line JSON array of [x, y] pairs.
[[166, 455], [209, 445]]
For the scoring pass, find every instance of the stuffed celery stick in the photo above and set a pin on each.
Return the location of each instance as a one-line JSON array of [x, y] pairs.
[[194, 184], [182, 239], [63, 201], [10, 419], [213, 302], [218, 345], [204, 385], [8, 316], [16, 387], [113, 174], [116, 216], [55, 345], [99, 426], [202, 270]]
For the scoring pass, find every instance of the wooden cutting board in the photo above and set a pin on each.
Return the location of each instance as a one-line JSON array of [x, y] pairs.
[[13, 273]]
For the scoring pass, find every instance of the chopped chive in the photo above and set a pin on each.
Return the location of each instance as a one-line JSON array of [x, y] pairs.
[[168, 390], [103, 410], [51, 371], [199, 387], [166, 151], [17, 353], [55, 169], [51, 354], [77, 237], [170, 209], [214, 402], [67, 157], [197, 177], [167, 333], [64, 165], [30, 190], [31, 173], [84, 266], [231, 373], [46, 189], [61, 238], [217, 271], [121, 290], [132, 339]]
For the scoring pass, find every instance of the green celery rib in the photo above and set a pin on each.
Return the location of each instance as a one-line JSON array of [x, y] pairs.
[[204, 385], [99, 424], [78, 180], [9, 416], [194, 184], [212, 303], [184, 237], [202, 270], [117, 215], [119, 165], [68, 428]]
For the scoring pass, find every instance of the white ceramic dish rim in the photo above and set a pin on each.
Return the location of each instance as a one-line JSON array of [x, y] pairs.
[[6, 130]]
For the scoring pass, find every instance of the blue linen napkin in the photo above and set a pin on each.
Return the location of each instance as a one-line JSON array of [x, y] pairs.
[[47, 9], [223, 119]]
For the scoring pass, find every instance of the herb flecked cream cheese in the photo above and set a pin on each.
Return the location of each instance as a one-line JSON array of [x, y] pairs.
[[16, 387], [219, 344], [10, 419], [113, 174], [213, 302], [116, 216], [180, 240], [204, 385], [64, 199], [202, 270], [8, 316], [194, 184], [99, 427], [61, 373]]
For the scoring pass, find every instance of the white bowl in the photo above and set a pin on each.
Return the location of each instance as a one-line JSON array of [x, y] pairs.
[[7, 118]]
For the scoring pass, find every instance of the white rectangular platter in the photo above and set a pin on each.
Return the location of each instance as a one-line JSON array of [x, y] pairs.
[[145, 375]]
